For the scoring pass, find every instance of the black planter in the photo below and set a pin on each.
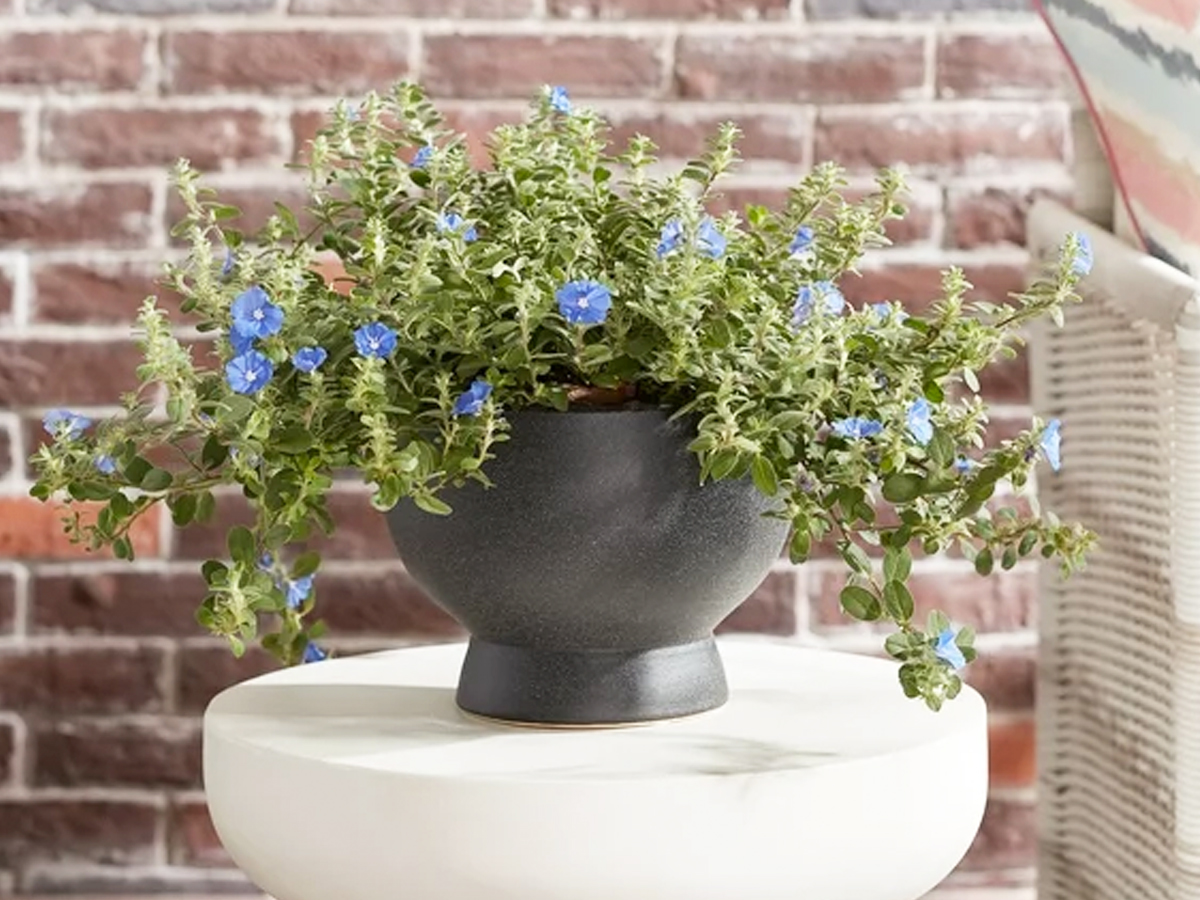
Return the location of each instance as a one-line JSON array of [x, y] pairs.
[[592, 575]]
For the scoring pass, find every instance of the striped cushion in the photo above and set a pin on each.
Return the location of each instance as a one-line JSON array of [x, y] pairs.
[[1138, 64]]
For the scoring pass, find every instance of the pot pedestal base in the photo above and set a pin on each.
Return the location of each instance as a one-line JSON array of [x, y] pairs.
[[360, 779], [590, 688]]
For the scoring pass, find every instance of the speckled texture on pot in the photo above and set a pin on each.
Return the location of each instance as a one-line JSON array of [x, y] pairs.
[[596, 551]]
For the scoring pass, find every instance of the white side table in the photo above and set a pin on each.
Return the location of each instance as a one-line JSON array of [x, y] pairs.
[[358, 779]]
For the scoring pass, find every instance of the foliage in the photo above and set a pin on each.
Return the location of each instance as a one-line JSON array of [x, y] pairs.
[[562, 271]]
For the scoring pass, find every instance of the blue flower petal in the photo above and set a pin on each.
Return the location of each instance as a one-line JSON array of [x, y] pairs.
[[470, 402], [227, 266], [672, 234], [298, 591], [584, 302], [453, 223], [709, 239], [559, 101], [802, 242], [422, 157], [249, 372], [375, 340], [1082, 263], [947, 650], [1051, 443], [309, 359], [919, 422], [855, 429], [62, 423], [240, 342], [106, 464], [963, 465], [254, 315], [313, 653]]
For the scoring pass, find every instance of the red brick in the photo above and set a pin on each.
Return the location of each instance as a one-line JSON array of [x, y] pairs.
[[449, 9], [51, 373], [99, 831], [8, 604], [670, 9], [829, 68], [382, 602], [1012, 753], [210, 138], [1007, 839], [771, 609], [161, 752], [1006, 381], [5, 453], [518, 65], [72, 60], [916, 285], [191, 838], [118, 603], [30, 529], [101, 292], [112, 215], [8, 746], [6, 293], [999, 65], [284, 62], [12, 140], [682, 132], [477, 123], [1006, 678], [939, 142], [206, 671], [361, 530], [80, 680], [978, 218], [257, 204], [1004, 601]]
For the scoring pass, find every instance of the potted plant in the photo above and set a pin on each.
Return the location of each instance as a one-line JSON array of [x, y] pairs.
[[593, 413]]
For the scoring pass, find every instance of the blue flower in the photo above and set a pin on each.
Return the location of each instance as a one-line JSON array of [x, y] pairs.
[[584, 302], [807, 297], [559, 101], [672, 234], [1051, 443], [963, 465], [248, 373], [240, 343], [885, 311], [947, 651], [227, 266], [1082, 263], [254, 315], [266, 562], [453, 223], [62, 423], [470, 401], [422, 157], [709, 240], [298, 591], [802, 242], [106, 464], [309, 359], [918, 421], [313, 653], [375, 339], [856, 429]]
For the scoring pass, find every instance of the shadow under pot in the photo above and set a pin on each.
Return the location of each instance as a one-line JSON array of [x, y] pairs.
[[591, 576]]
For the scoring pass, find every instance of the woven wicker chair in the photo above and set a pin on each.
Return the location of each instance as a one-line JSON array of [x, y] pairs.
[[1118, 713]]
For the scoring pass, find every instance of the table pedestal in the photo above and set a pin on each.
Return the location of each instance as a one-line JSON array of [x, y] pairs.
[[359, 779]]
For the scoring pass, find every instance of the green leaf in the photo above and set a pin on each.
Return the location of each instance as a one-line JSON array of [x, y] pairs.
[[933, 392], [277, 536], [123, 548], [432, 504], [941, 448], [984, 562], [971, 381], [306, 563], [213, 453], [856, 558], [965, 637], [183, 509], [206, 505], [763, 474], [1009, 559], [898, 601], [800, 546], [137, 469], [213, 569], [156, 480], [902, 487], [293, 439], [242, 548], [1028, 542], [723, 464], [221, 211], [860, 604], [897, 563], [910, 680]]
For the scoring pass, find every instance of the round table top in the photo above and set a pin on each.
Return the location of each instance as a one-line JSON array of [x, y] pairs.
[[789, 708], [359, 778]]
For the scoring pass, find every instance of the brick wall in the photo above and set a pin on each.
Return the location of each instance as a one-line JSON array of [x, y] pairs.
[[102, 671]]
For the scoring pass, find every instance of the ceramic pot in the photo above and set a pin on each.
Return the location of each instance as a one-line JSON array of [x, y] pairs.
[[591, 576]]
